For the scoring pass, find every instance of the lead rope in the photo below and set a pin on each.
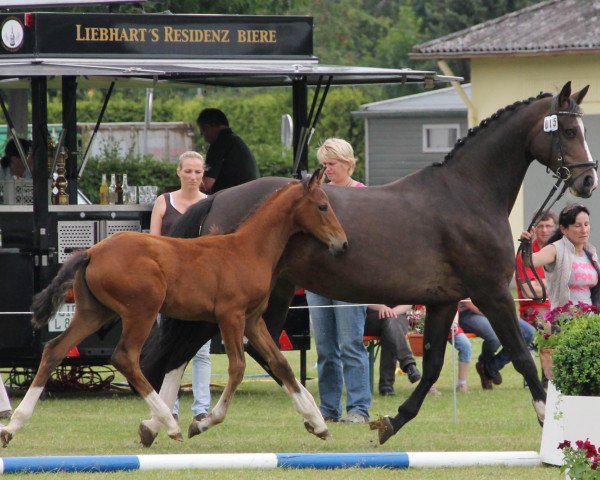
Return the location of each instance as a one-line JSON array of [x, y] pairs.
[[526, 250]]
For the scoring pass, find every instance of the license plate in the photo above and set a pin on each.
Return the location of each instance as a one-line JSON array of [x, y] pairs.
[[61, 320]]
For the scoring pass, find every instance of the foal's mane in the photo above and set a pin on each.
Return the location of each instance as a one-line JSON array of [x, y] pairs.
[[486, 122], [265, 198]]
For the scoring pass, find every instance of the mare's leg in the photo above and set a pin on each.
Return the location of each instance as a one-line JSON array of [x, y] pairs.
[[274, 317], [86, 320], [498, 306], [232, 332], [303, 401], [437, 326], [126, 358]]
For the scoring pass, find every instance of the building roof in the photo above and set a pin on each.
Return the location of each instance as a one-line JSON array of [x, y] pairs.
[[435, 102], [550, 27]]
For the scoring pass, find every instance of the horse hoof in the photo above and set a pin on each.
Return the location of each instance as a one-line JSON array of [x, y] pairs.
[[6, 437], [178, 437], [385, 428], [147, 436], [324, 435], [194, 429]]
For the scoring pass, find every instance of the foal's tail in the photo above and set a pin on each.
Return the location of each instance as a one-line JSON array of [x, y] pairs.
[[46, 302]]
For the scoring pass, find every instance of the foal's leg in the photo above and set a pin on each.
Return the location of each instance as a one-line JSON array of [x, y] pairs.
[[232, 332], [499, 308], [437, 326], [302, 400], [168, 393], [84, 323], [126, 358]]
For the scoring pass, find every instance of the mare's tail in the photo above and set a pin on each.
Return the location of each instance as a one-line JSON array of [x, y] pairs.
[[46, 302], [173, 342]]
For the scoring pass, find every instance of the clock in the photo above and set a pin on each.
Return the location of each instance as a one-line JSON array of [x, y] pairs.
[[12, 34]]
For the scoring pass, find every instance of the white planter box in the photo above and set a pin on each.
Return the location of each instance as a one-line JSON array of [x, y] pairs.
[[568, 418]]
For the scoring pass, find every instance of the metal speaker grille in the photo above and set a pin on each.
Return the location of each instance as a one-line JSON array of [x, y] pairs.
[[74, 236], [115, 226]]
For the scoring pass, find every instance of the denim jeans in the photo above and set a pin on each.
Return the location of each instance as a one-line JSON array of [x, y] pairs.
[[341, 356], [200, 382], [479, 325], [463, 345]]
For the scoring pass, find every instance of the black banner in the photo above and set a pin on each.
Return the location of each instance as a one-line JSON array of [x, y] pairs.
[[155, 35]]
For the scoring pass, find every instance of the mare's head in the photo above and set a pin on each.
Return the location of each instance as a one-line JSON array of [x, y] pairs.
[[314, 215], [558, 142]]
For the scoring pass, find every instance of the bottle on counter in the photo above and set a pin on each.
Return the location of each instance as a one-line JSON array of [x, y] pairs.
[[103, 191], [119, 191], [112, 189], [125, 190]]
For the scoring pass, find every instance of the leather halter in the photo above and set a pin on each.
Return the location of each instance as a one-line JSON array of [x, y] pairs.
[[562, 173]]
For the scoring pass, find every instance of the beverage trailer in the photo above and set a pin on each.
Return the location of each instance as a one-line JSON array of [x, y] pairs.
[[74, 51]]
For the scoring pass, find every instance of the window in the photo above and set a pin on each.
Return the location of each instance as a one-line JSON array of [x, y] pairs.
[[440, 137]]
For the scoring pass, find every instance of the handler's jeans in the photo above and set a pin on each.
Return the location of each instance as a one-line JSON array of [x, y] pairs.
[[479, 325], [341, 356]]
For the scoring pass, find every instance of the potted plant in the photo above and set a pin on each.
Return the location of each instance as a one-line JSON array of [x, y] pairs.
[[550, 326], [416, 321], [576, 358], [573, 400], [581, 462]]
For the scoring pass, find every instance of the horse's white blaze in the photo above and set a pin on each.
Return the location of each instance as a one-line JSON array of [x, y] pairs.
[[305, 405], [160, 410], [588, 152]]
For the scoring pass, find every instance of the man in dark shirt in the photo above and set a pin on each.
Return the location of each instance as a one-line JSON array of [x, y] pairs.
[[229, 161]]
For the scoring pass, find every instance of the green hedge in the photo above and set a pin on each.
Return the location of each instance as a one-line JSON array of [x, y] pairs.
[[256, 117]]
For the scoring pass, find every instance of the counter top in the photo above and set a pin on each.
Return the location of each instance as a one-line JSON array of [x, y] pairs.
[[142, 207]]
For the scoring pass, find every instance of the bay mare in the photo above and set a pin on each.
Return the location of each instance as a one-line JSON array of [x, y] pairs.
[[222, 279], [434, 238]]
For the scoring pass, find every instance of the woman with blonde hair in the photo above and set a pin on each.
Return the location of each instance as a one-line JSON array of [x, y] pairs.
[[338, 326], [167, 209]]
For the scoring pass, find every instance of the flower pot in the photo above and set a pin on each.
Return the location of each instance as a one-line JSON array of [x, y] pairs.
[[546, 361], [415, 340], [568, 417]]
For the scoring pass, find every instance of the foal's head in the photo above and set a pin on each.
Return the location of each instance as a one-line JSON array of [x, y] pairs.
[[314, 215]]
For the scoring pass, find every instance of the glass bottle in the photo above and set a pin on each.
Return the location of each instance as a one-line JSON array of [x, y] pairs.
[[103, 191], [112, 189], [119, 191], [125, 189]]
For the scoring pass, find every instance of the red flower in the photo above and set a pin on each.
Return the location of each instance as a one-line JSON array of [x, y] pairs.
[[565, 444]]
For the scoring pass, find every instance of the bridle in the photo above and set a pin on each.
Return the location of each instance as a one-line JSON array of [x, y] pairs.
[[562, 174]]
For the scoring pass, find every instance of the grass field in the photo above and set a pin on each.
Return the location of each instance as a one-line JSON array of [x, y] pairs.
[[262, 419]]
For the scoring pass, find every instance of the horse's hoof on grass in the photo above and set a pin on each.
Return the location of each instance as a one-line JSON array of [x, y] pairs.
[[6, 437], [147, 436], [178, 437], [324, 435], [194, 429], [385, 428]]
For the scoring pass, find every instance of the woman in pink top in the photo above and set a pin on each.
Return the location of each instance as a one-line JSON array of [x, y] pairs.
[[338, 326]]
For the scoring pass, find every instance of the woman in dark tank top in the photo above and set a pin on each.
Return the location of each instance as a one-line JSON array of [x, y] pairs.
[[167, 209]]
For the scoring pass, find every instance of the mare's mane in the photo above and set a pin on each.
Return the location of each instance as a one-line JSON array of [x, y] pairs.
[[485, 123]]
